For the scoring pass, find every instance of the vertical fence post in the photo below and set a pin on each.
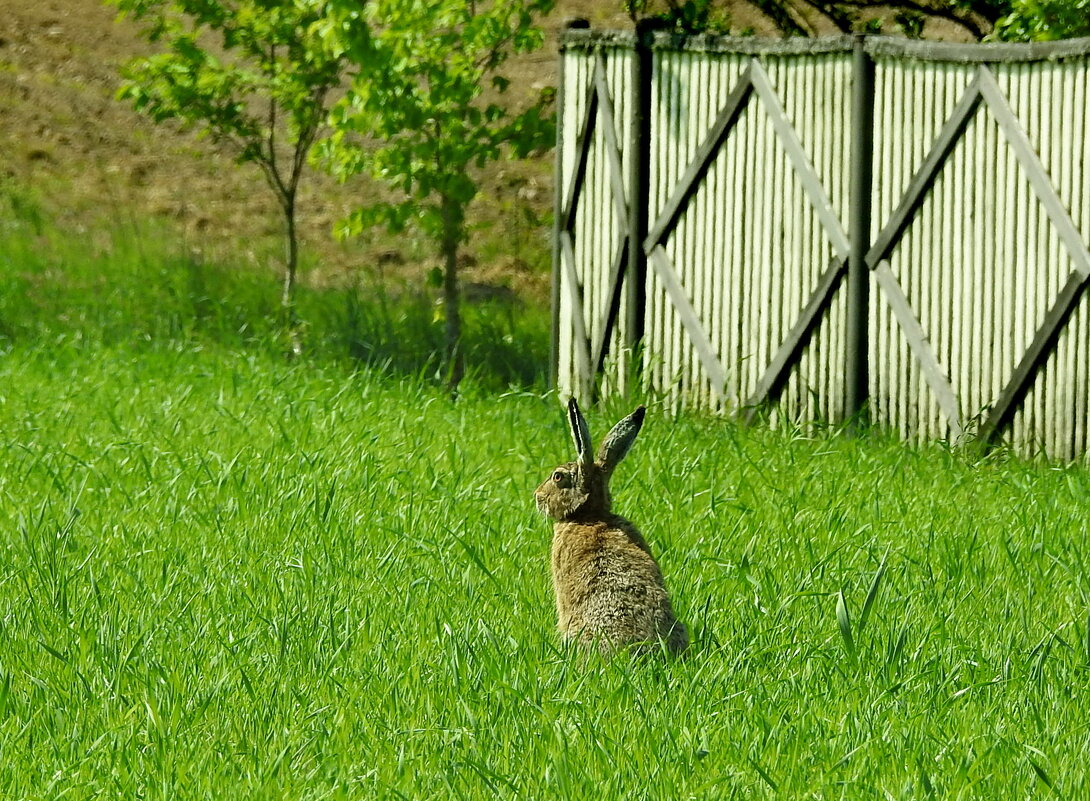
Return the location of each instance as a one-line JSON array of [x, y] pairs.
[[639, 160], [857, 355], [558, 209], [558, 192]]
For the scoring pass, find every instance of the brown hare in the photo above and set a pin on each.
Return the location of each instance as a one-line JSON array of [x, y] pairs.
[[609, 589]]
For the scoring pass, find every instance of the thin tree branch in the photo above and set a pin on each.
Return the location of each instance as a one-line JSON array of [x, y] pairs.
[[280, 187], [273, 180], [307, 133], [781, 16], [843, 25]]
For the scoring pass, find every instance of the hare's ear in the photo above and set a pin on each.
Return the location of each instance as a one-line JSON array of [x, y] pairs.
[[580, 433], [618, 441]]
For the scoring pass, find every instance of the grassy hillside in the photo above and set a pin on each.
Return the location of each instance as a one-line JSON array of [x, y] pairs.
[[90, 159], [128, 283]]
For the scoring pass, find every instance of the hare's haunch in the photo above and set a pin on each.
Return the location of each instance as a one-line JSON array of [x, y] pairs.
[[609, 589]]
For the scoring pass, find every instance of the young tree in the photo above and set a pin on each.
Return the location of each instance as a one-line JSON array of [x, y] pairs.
[[423, 116], [247, 73]]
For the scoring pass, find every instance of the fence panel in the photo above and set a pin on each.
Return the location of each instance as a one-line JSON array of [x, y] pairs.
[[979, 255], [747, 247], [974, 320], [594, 188]]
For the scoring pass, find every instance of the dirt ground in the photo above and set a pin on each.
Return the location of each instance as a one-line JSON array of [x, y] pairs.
[[92, 160]]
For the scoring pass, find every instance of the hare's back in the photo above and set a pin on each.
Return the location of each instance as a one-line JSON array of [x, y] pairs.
[[611, 587], [603, 556]]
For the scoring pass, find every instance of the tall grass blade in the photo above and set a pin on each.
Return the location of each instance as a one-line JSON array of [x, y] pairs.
[[764, 775], [5, 695], [872, 593], [1086, 639], [845, 624], [474, 556], [1042, 774], [925, 783]]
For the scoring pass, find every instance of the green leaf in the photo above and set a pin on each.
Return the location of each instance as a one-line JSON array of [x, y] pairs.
[[416, 98]]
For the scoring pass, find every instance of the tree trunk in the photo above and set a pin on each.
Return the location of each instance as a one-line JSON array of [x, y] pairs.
[[452, 229], [287, 300]]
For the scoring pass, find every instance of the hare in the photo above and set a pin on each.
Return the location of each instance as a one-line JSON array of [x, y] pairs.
[[609, 589]]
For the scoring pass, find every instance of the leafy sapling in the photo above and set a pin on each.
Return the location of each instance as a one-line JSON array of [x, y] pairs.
[[247, 73], [424, 115]]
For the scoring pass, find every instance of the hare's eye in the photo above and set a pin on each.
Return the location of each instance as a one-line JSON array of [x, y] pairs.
[[558, 476]]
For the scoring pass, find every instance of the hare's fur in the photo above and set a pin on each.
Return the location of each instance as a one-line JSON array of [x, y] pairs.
[[609, 589]]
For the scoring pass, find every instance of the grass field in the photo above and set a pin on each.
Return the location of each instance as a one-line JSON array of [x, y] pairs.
[[226, 576]]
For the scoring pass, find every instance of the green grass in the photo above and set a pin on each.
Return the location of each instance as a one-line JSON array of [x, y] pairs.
[[128, 283], [227, 576]]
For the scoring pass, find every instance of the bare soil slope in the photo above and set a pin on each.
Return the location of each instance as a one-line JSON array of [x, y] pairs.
[[91, 159]]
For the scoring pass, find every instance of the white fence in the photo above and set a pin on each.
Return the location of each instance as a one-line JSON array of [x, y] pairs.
[[821, 226]]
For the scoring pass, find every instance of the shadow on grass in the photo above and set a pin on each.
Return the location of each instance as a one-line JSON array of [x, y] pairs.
[[506, 343], [116, 286]]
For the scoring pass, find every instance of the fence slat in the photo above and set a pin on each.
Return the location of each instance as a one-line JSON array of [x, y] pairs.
[[613, 151], [707, 151], [616, 281], [921, 348], [811, 184], [1038, 352], [1035, 172], [775, 376], [575, 297], [693, 327], [925, 177], [582, 148]]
